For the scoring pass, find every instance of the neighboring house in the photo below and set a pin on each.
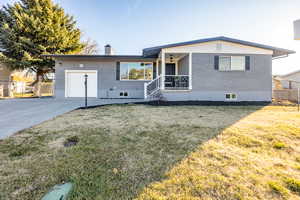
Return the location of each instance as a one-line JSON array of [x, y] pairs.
[[213, 69], [5, 79], [13, 81], [297, 29], [287, 81]]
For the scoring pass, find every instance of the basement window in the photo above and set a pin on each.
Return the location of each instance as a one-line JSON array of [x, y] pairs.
[[123, 94], [230, 96]]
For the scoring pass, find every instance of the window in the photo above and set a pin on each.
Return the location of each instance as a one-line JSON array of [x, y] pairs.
[[136, 71], [232, 63], [230, 96]]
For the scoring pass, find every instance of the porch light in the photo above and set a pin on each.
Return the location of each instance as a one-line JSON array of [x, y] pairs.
[[171, 58]]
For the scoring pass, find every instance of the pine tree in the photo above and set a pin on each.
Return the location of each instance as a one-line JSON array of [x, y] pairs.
[[31, 28]]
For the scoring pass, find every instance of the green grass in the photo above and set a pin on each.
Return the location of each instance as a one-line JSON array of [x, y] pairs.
[[149, 152]]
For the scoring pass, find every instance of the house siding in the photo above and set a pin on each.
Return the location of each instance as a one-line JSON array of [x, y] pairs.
[[208, 84], [183, 66], [211, 85], [108, 86]]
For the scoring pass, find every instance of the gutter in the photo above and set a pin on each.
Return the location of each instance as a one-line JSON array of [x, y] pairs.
[[283, 56]]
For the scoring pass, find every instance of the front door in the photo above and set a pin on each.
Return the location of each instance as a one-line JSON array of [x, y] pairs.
[[170, 72], [170, 69]]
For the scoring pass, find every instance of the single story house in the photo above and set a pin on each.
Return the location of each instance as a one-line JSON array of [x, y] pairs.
[[212, 69], [287, 81]]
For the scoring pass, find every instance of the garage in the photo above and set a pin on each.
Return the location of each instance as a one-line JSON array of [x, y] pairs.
[[75, 83]]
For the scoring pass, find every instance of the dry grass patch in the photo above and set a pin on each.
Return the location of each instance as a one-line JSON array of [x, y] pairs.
[[241, 163], [149, 152]]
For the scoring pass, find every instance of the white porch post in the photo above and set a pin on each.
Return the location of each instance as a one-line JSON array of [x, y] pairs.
[[157, 63], [163, 66], [176, 67], [190, 71]]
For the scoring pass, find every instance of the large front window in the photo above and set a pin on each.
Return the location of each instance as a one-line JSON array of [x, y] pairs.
[[232, 63], [136, 71]]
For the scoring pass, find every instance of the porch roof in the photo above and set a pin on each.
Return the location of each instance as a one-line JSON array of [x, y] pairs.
[[154, 51]]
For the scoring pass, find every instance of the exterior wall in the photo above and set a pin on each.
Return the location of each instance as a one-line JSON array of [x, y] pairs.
[[5, 79], [211, 85], [183, 66], [108, 86]]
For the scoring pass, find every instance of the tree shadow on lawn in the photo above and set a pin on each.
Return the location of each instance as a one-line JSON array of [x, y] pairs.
[[118, 162]]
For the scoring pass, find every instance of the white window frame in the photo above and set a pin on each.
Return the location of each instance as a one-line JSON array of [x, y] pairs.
[[128, 72], [232, 70]]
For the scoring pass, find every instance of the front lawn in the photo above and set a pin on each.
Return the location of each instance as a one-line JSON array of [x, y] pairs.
[[150, 152]]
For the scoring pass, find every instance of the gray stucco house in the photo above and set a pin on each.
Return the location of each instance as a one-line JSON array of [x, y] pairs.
[[212, 69]]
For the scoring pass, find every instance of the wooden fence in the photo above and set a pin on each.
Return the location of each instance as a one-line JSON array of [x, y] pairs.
[[286, 94], [47, 88]]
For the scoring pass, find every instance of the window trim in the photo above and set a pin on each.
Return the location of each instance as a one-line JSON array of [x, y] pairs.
[[128, 72], [235, 70]]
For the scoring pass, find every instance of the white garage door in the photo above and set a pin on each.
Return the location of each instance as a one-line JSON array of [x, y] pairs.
[[75, 83]]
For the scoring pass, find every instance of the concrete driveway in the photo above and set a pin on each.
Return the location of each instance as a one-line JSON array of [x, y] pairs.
[[19, 114]]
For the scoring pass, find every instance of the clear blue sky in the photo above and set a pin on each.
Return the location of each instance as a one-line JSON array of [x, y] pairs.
[[131, 25]]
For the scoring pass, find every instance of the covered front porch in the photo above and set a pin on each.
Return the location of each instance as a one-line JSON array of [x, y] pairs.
[[173, 72]]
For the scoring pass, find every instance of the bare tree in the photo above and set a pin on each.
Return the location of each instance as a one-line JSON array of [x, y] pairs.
[[91, 47]]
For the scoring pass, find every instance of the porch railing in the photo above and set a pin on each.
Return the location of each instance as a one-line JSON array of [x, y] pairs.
[[176, 82], [152, 87], [172, 82]]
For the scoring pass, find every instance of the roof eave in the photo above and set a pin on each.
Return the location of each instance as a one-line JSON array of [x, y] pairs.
[[104, 57], [276, 51]]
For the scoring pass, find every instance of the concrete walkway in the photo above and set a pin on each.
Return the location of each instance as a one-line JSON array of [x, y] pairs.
[[19, 114]]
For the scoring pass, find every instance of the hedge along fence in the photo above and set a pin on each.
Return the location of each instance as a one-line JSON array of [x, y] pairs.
[[286, 94]]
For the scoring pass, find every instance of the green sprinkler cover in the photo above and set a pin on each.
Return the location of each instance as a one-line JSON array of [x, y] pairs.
[[59, 192]]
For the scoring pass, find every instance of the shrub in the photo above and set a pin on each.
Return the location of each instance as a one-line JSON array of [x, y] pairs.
[[293, 185]]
